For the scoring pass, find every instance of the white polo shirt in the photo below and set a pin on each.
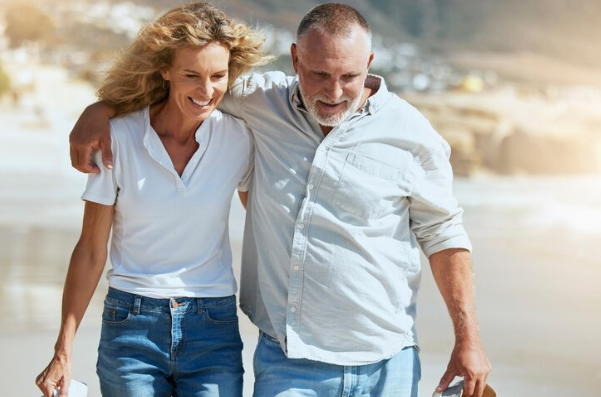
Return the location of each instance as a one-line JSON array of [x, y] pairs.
[[170, 234]]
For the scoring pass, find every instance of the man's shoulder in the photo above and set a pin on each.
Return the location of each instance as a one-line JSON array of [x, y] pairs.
[[390, 104], [405, 114], [255, 94], [274, 82], [401, 104], [227, 124], [412, 126]]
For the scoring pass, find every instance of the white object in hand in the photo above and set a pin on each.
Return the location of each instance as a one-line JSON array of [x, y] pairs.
[[76, 389], [452, 391]]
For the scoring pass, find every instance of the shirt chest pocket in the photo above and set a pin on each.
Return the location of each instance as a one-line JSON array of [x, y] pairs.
[[369, 188]]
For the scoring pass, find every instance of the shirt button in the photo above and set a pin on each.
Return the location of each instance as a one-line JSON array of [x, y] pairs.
[[311, 186], [301, 226], [297, 267], [293, 309]]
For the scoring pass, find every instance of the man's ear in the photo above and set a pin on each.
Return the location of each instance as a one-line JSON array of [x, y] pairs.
[[294, 54], [370, 59]]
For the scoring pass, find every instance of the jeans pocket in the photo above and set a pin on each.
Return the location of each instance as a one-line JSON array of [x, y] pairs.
[[225, 313], [115, 313]]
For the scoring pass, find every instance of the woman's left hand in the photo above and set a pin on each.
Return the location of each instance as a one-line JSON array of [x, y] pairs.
[[56, 375]]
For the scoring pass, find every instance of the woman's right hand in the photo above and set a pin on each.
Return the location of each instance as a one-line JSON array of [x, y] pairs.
[[56, 374]]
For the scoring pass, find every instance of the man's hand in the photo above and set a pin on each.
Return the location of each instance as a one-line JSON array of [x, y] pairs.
[[92, 132], [470, 361]]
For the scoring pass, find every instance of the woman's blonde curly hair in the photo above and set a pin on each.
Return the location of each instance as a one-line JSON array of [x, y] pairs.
[[135, 81]]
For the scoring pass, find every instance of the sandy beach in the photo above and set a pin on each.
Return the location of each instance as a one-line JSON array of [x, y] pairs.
[[537, 271]]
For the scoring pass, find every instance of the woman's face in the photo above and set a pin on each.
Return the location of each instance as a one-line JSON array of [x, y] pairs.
[[198, 79]]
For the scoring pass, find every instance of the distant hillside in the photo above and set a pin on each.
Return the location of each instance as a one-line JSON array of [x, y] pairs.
[[569, 28], [568, 31], [550, 34]]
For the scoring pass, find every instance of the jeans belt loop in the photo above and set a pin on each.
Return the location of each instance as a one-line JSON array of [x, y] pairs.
[[199, 305], [137, 304]]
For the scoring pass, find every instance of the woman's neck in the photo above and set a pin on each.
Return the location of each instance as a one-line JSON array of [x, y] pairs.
[[168, 121], [176, 132]]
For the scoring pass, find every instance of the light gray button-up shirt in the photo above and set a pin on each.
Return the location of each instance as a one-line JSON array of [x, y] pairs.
[[331, 264]]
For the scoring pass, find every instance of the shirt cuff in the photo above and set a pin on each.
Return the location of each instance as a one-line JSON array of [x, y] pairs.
[[97, 199], [455, 241]]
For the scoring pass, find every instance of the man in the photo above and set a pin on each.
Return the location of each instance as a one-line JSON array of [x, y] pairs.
[[349, 180]]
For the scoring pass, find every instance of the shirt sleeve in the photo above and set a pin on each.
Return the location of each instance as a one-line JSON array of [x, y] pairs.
[[244, 184], [233, 101], [102, 188], [436, 218]]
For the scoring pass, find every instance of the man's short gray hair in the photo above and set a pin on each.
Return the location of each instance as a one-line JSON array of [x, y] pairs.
[[334, 19]]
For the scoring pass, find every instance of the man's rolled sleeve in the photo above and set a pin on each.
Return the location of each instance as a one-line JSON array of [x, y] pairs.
[[436, 218]]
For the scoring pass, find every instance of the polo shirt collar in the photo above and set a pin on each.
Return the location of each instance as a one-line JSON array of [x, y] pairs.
[[158, 153]]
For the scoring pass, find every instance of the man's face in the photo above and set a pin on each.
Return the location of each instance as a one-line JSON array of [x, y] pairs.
[[332, 71]]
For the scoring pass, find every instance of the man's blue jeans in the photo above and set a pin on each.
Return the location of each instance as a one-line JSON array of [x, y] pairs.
[[177, 347], [278, 376]]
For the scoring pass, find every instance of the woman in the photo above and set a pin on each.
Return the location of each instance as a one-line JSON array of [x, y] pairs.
[[169, 322]]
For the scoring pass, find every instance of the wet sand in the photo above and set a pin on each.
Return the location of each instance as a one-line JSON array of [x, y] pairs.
[[537, 283]]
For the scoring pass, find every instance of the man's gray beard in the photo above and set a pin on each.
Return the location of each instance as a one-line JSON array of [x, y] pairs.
[[334, 119]]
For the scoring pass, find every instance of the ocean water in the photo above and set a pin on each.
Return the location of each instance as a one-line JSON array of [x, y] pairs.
[[536, 203], [556, 215]]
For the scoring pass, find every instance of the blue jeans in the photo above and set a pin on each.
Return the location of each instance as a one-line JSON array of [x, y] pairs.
[[169, 347], [278, 376]]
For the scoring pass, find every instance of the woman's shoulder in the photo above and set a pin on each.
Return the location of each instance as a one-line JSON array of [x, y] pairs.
[[129, 126]]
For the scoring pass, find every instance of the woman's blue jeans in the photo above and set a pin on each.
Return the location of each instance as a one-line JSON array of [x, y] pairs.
[[177, 347]]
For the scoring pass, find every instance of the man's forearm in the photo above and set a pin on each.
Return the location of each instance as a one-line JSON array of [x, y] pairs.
[[452, 271], [101, 109], [91, 132], [86, 129]]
